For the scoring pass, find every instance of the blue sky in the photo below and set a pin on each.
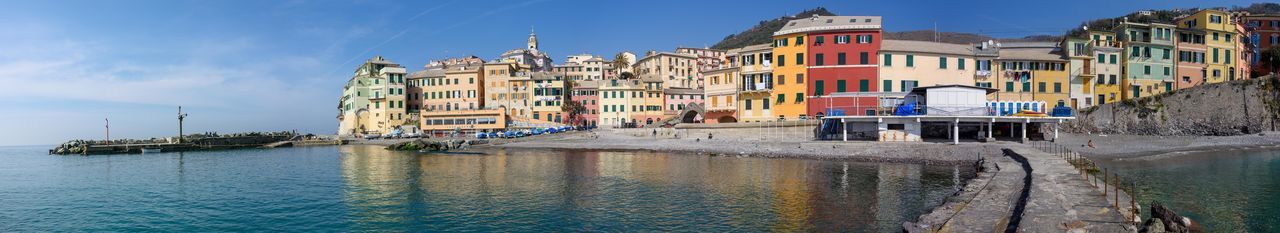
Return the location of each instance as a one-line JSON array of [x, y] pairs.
[[280, 65]]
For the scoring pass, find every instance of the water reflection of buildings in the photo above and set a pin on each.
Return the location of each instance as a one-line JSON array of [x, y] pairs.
[[528, 187]]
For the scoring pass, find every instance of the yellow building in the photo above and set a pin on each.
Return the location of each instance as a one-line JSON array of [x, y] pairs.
[[508, 86], [619, 99], [789, 71], [549, 95], [1107, 74], [651, 111], [755, 64], [1220, 40], [1035, 71]]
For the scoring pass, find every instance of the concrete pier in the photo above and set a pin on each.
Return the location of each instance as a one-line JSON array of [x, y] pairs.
[[1059, 199]]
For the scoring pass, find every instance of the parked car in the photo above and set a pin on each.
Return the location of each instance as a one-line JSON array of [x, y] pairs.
[[372, 136], [481, 135], [538, 131], [491, 135], [412, 135]]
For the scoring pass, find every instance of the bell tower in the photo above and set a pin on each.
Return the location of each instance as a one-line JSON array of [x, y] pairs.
[[533, 40]]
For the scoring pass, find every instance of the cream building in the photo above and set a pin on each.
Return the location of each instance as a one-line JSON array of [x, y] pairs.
[[721, 95], [755, 68], [677, 70], [373, 100], [619, 99], [908, 64]]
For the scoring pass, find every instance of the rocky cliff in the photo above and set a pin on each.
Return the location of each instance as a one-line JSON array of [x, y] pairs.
[[1230, 108]]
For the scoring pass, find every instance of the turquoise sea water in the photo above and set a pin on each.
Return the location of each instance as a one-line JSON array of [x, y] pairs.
[[356, 188], [1226, 191]]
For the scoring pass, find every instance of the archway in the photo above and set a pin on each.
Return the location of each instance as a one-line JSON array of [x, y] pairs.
[[727, 119]]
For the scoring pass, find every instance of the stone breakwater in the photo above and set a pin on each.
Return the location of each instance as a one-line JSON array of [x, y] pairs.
[[1221, 109]]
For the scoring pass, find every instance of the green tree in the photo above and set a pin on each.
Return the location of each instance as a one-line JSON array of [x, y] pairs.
[[620, 61]]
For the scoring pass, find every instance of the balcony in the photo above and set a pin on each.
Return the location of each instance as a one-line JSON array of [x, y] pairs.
[[751, 87]]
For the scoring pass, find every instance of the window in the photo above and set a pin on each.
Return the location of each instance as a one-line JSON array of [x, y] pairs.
[[800, 58], [781, 97], [817, 57], [1167, 71], [942, 62], [1041, 87], [908, 85], [782, 79], [887, 86], [843, 39], [799, 41], [863, 57], [1136, 51], [1215, 55], [1146, 69], [840, 59], [1113, 59], [1008, 86], [746, 104], [960, 63], [1057, 87], [863, 39], [1113, 80], [799, 78], [887, 60], [782, 42], [1228, 56], [818, 40], [1102, 79], [817, 88], [1026, 86], [799, 97], [1166, 54], [840, 86], [911, 60], [864, 85], [782, 60]]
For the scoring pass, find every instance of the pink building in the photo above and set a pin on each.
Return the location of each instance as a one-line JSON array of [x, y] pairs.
[[585, 92], [678, 99]]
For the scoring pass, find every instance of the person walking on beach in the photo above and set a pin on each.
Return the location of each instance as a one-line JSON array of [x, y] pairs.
[[655, 133]]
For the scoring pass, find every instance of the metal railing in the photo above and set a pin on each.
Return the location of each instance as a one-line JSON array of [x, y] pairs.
[[1098, 177]]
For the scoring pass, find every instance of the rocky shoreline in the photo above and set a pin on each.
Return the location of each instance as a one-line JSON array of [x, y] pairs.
[[1154, 147]]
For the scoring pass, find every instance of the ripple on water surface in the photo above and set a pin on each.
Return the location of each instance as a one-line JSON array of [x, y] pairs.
[[364, 187]]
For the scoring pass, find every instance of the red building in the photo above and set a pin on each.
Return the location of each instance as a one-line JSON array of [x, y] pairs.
[[1266, 27], [842, 59], [585, 92]]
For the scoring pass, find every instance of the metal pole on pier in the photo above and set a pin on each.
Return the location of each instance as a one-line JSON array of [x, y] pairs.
[[108, 130], [181, 116]]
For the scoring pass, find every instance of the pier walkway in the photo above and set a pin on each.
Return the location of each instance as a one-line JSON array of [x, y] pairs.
[[1059, 199]]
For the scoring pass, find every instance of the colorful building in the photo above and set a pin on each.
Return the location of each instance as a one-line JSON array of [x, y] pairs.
[[679, 99], [1147, 62], [618, 100], [721, 94], [1220, 42], [587, 93], [651, 111], [908, 64], [508, 86], [1033, 71], [708, 59], [1106, 85], [790, 51], [373, 100], [548, 95], [842, 57], [1265, 29], [676, 70], [1192, 52], [755, 82]]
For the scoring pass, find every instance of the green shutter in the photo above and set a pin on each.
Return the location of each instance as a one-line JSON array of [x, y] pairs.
[[888, 86], [840, 86], [864, 85], [911, 60], [817, 88], [888, 59]]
